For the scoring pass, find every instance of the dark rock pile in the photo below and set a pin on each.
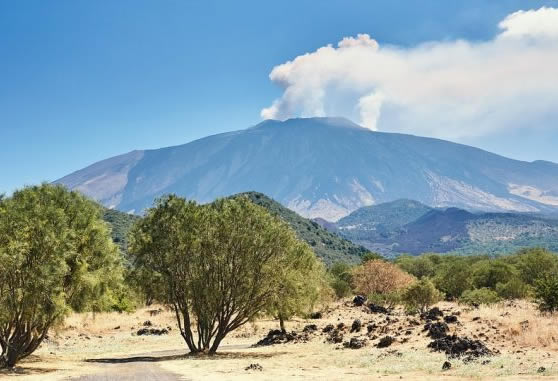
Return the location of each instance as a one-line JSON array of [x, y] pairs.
[[385, 342], [450, 319], [276, 336], [359, 300], [355, 343], [256, 366], [432, 314], [310, 328], [357, 326], [376, 309], [436, 330], [460, 347], [152, 332]]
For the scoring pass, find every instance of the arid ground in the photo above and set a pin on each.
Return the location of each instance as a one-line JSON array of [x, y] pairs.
[[523, 343]]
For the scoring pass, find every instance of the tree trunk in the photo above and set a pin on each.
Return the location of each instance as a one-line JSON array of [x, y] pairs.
[[282, 324]]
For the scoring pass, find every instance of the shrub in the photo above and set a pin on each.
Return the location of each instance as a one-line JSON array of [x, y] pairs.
[[421, 295], [56, 254], [378, 276], [341, 288], [370, 256], [479, 296], [388, 300], [340, 279], [515, 288], [535, 263], [546, 293], [489, 272], [418, 266]]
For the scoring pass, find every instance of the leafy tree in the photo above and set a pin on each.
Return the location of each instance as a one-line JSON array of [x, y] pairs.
[[378, 276], [534, 263], [420, 295], [479, 296], [454, 278], [220, 265], [489, 272], [419, 267], [514, 288], [55, 254], [546, 292], [340, 279]]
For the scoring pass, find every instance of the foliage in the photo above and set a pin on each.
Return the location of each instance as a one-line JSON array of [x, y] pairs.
[[534, 263], [453, 278], [489, 272], [514, 288], [370, 256], [388, 299], [120, 224], [341, 278], [546, 292], [479, 296], [378, 276], [220, 265], [56, 254], [422, 266], [420, 295]]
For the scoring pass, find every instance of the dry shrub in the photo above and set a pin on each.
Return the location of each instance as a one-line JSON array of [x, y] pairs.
[[380, 277]]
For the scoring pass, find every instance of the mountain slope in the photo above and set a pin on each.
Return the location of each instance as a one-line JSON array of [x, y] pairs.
[[328, 246], [445, 230], [322, 167]]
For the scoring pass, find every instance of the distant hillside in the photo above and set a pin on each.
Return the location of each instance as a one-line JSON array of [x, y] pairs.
[[407, 226], [327, 245]]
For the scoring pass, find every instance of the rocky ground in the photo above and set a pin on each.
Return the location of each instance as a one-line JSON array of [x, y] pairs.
[[359, 341]]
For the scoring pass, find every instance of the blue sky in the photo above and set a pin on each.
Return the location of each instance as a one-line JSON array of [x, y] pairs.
[[81, 81]]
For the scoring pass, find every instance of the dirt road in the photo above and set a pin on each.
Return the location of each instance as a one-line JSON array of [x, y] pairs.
[[137, 368]]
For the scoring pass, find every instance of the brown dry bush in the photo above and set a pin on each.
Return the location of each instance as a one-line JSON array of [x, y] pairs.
[[379, 277]]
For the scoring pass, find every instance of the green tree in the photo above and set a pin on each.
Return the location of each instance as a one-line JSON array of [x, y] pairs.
[[55, 254], [421, 295], [534, 263], [420, 267], [489, 272], [479, 296], [454, 278], [221, 264], [341, 278], [546, 292]]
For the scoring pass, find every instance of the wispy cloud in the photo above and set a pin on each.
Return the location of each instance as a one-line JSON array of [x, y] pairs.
[[448, 89]]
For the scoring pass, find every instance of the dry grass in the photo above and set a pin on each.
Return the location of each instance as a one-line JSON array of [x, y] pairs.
[[524, 348]]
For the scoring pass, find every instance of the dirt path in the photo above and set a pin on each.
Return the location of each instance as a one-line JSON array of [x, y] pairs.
[[137, 368]]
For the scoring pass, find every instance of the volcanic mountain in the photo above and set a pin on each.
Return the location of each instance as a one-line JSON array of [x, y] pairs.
[[322, 167]]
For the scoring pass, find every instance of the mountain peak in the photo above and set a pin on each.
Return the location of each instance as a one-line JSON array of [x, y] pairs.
[[331, 121]]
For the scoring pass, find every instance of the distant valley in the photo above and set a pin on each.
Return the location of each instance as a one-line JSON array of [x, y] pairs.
[[406, 226]]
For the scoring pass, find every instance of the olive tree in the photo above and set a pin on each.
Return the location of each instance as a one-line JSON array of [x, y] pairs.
[[56, 254], [220, 264]]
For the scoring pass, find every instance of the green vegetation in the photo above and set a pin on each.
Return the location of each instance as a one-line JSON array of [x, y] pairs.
[[479, 296], [546, 292], [56, 255], [330, 247], [120, 223], [420, 295], [221, 265]]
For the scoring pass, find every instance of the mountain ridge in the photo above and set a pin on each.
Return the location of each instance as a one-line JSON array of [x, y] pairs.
[[322, 167]]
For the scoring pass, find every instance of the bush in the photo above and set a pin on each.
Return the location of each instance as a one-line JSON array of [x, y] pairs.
[[479, 296], [388, 300], [546, 293], [515, 288], [535, 263], [381, 277], [421, 295], [420, 267], [340, 279], [341, 288], [489, 272]]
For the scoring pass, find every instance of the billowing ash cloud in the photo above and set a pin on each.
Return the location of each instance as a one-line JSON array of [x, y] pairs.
[[448, 89]]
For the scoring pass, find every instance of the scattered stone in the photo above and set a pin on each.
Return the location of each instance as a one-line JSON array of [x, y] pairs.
[[385, 342], [357, 326], [335, 337], [371, 327], [328, 328], [152, 332], [476, 318], [450, 319], [454, 346], [542, 369], [341, 326], [376, 309], [310, 328], [355, 343], [359, 300], [117, 327], [446, 365], [436, 330], [276, 336], [147, 323], [256, 366], [316, 315], [432, 314]]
